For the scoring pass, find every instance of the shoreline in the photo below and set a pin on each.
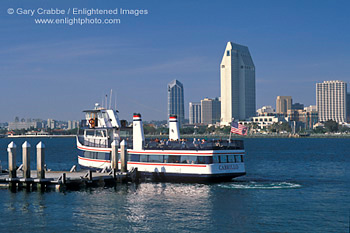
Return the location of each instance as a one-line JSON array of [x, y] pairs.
[[224, 136]]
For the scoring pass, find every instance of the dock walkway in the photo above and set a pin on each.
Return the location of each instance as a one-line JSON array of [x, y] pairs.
[[63, 180]]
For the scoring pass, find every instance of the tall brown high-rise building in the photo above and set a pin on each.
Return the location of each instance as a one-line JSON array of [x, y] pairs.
[[283, 104]]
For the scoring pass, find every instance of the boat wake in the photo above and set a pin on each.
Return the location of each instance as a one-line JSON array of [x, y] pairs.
[[260, 185]]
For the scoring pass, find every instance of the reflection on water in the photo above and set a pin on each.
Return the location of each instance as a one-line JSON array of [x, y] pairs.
[[145, 207]]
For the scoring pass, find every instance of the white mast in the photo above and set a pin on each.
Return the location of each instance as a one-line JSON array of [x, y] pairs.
[[115, 102]]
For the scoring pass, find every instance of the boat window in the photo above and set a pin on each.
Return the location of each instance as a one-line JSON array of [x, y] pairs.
[[134, 157], [173, 158], [204, 159], [166, 158], [189, 159], [242, 158], [223, 158], [99, 133], [103, 156], [90, 154], [238, 158], [87, 154], [143, 158], [216, 159], [231, 158], [90, 133], [105, 115], [156, 158]]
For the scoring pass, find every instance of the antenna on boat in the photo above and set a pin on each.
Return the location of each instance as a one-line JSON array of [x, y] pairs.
[[110, 100], [106, 104]]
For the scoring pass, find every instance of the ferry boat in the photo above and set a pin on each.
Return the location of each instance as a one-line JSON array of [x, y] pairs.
[[172, 159]]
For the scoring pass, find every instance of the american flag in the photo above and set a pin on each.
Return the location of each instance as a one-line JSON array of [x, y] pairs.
[[238, 128]]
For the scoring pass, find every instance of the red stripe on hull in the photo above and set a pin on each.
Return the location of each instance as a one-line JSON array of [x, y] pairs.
[[94, 160], [154, 164]]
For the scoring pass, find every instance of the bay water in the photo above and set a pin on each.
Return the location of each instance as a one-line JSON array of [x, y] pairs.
[[292, 185]]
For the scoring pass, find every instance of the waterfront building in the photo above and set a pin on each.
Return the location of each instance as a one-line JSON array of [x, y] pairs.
[[283, 104], [331, 101], [25, 124], [265, 121], [176, 100], [304, 119], [195, 113], [311, 108], [211, 110], [265, 110], [237, 74]]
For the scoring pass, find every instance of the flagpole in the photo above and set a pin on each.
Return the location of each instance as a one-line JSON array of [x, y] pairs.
[[230, 129]]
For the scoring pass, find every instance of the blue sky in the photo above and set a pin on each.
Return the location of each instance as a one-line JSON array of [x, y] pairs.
[[56, 71]]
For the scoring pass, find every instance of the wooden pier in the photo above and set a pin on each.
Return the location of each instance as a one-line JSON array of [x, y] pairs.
[[41, 179]]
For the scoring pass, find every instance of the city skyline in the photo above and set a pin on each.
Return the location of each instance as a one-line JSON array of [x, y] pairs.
[[58, 71]]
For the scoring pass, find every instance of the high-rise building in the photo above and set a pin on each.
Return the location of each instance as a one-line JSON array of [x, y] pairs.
[[297, 106], [211, 110], [51, 123], [70, 125], [195, 113], [237, 73], [348, 107], [283, 104], [331, 101], [176, 100], [73, 124]]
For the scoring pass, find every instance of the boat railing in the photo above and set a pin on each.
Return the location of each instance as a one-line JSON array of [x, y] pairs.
[[195, 145], [93, 142]]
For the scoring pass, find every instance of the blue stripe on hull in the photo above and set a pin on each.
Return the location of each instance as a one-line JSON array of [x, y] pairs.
[[183, 178]]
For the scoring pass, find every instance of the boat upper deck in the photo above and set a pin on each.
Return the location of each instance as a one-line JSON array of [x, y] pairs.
[[195, 145], [159, 144]]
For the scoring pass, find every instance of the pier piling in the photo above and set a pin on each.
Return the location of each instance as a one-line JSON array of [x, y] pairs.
[[11, 149], [123, 156], [114, 162], [26, 159], [40, 160]]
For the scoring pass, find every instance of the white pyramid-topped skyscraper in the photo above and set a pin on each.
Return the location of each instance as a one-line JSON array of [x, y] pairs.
[[237, 73]]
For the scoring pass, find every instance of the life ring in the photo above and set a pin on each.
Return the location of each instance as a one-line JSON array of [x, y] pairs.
[[92, 122]]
